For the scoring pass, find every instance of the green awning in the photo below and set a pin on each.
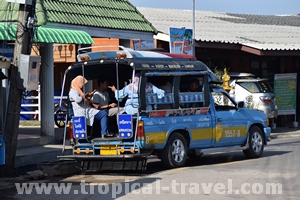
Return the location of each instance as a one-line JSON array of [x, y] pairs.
[[7, 32], [48, 35], [63, 36]]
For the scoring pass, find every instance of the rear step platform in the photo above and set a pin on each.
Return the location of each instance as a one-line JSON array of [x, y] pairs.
[[114, 165]]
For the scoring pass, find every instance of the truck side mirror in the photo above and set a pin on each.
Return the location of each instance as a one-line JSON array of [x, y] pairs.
[[241, 104]]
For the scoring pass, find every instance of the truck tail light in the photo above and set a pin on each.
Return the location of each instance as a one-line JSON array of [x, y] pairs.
[[121, 55], [140, 131], [71, 130], [84, 57]]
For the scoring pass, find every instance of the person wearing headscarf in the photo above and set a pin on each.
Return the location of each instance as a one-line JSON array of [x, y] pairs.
[[81, 102], [131, 91]]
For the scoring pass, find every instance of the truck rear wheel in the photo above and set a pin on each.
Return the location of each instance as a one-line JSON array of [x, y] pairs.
[[175, 152], [256, 143]]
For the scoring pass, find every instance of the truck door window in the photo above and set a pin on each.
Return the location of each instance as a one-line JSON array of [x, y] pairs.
[[222, 101]]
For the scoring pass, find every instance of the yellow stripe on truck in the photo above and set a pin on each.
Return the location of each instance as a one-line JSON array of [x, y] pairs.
[[160, 137], [202, 134], [199, 134], [156, 137]]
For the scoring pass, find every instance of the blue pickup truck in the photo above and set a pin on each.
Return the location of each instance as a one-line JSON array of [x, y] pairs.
[[175, 126]]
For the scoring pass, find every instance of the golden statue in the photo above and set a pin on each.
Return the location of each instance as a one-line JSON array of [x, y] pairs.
[[226, 79]]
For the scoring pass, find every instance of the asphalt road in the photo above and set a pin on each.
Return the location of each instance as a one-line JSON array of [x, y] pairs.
[[224, 176]]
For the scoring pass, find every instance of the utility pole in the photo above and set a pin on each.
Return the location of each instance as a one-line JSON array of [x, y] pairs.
[[22, 46], [194, 29]]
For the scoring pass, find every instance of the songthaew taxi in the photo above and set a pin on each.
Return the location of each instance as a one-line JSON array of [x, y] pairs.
[[168, 120]]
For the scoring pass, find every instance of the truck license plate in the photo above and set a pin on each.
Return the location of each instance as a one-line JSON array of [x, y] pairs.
[[109, 150]]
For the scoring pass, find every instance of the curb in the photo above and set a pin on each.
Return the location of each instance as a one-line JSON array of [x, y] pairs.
[[285, 135]]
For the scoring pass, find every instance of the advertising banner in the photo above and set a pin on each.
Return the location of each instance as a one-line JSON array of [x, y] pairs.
[[181, 41], [139, 44], [285, 88]]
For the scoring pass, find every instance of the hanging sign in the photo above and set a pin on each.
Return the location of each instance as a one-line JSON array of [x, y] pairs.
[[79, 127], [125, 126], [285, 88]]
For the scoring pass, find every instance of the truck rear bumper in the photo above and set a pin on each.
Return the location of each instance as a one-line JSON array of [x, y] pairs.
[[99, 157]]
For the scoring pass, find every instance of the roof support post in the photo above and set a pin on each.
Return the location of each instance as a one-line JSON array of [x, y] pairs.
[[47, 90]]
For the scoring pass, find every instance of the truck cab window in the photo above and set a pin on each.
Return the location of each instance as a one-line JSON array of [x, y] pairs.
[[222, 101]]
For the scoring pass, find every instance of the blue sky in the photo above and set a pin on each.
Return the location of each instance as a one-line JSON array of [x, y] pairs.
[[261, 7]]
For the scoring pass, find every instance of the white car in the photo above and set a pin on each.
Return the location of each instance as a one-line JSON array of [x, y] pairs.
[[255, 92]]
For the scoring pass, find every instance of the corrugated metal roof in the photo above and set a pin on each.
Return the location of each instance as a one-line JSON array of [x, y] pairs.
[[264, 32], [113, 14]]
